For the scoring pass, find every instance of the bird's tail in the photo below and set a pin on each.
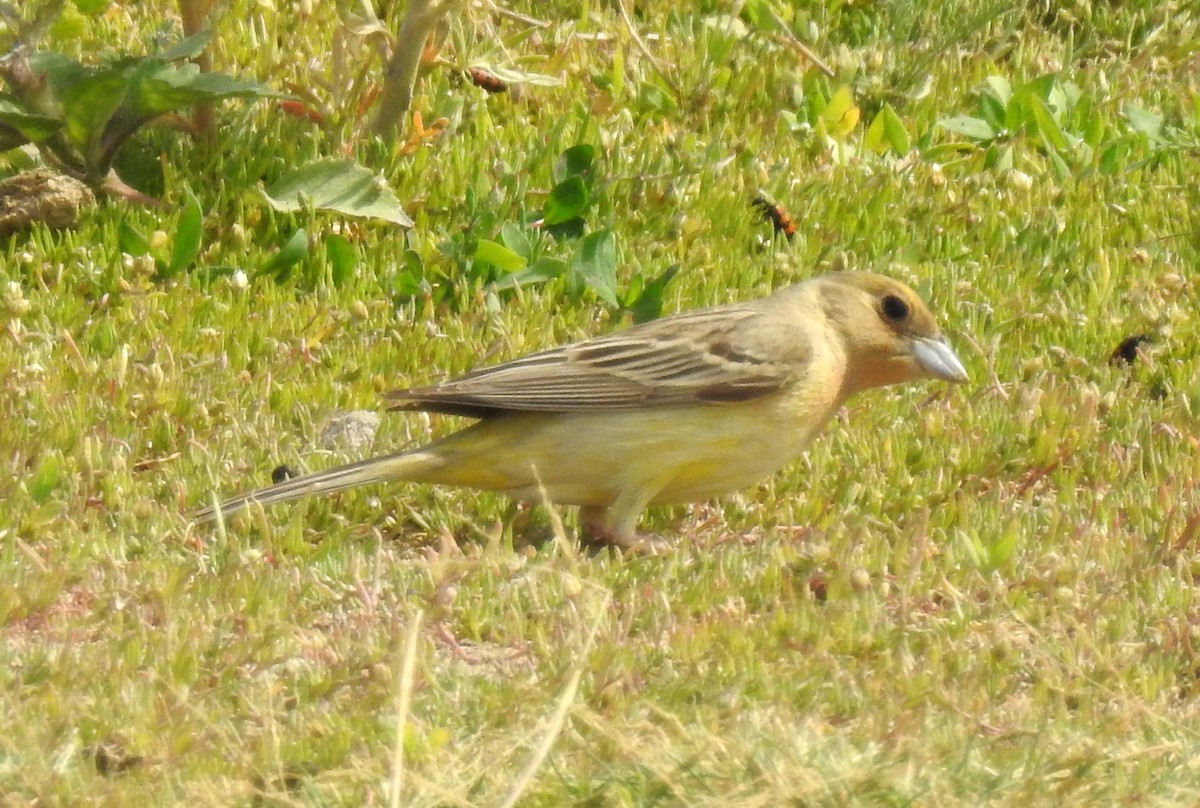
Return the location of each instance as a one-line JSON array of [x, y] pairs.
[[411, 465]]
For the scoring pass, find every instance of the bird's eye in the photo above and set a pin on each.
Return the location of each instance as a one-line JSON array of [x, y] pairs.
[[894, 308]]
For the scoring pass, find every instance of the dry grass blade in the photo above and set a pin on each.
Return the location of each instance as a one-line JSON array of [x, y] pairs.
[[403, 699], [557, 719]]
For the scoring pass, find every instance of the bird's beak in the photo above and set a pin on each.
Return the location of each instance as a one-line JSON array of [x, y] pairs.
[[938, 359]]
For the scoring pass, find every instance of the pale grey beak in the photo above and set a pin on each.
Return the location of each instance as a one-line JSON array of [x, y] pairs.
[[938, 359]]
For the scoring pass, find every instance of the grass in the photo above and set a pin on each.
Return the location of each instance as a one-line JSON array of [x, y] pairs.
[[977, 596]]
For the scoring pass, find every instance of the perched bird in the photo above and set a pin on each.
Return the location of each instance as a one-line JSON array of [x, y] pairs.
[[684, 408]]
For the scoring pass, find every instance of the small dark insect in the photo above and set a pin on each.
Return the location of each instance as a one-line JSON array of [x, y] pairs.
[[819, 588], [110, 759], [481, 78], [282, 473], [779, 218], [1127, 352]]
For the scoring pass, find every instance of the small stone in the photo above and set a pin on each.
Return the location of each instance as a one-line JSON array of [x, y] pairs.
[[352, 432], [42, 196]]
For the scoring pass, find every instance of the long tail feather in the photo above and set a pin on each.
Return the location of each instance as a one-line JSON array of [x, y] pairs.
[[401, 466]]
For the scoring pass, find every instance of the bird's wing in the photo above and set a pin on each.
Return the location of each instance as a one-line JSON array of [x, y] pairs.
[[703, 357]]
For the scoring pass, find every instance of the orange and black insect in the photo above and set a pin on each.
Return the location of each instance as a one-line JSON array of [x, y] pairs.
[[775, 213], [485, 80], [1130, 349]]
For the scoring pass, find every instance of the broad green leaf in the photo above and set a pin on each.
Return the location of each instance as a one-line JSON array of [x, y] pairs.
[[342, 186], [887, 131], [1094, 131], [567, 200], [992, 110], [31, 126], [654, 100], [186, 48], [1062, 171], [45, 478], [998, 157], [897, 134], [840, 115], [131, 241], [649, 302], [342, 260], [999, 88], [1042, 86], [410, 280], [874, 137], [1113, 156], [576, 160], [1045, 124], [498, 255], [595, 264], [89, 104], [292, 252], [974, 128], [188, 232], [1143, 121], [156, 89], [514, 237]]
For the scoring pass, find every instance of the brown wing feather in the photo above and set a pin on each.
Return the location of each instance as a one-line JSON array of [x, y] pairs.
[[695, 357]]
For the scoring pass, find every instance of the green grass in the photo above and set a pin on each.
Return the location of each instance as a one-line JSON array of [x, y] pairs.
[[957, 597]]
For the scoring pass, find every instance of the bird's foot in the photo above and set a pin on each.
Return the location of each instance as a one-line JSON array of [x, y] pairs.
[[640, 544], [596, 536]]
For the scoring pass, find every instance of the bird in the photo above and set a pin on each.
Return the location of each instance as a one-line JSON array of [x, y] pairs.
[[685, 408]]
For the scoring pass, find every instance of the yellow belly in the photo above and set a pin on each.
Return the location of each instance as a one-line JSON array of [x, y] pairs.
[[683, 454]]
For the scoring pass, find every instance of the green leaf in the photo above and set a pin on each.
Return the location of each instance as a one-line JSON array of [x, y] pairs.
[[649, 302], [974, 128], [32, 127], [89, 104], [654, 100], [897, 134], [157, 88], [342, 186], [541, 270], [186, 48], [291, 253], [1045, 124], [567, 200], [595, 264], [410, 281], [992, 110], [498, 255], [45, 478], [841, 114], [1113, 156], [1094, 131], [874, 138], [575, 161], [513, 236], [1143, 121], [342, 260], [998, 88], [1061, 170], [186, 246], [998, 158], [887, 131], [131, 241]]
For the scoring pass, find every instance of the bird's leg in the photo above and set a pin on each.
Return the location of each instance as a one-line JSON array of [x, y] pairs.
[[609, 527]]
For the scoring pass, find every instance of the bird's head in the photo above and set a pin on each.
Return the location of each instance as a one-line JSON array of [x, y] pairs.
[[888, 332]]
